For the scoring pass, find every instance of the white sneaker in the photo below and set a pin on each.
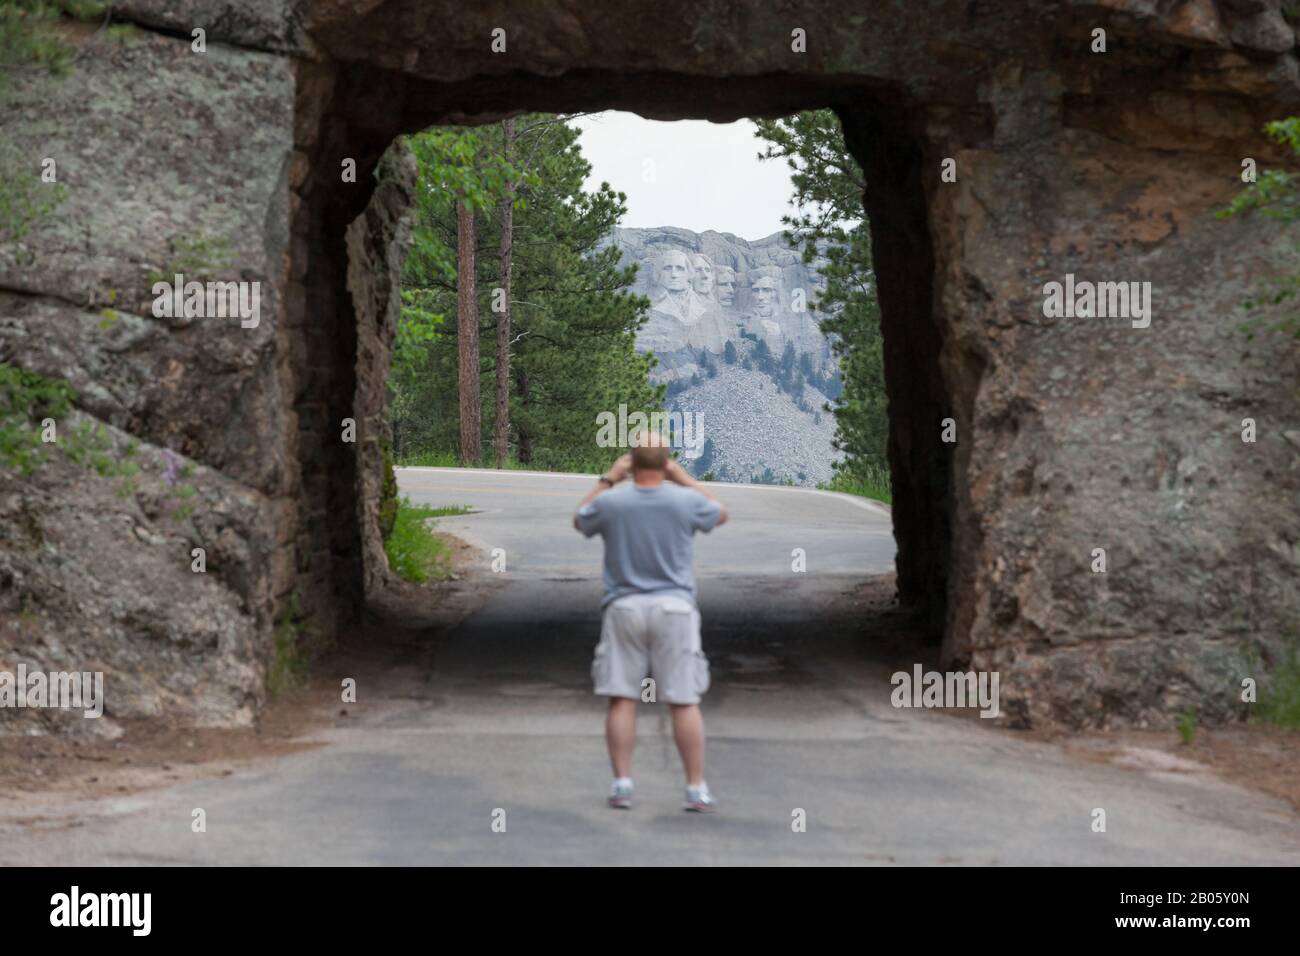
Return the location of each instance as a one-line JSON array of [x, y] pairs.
[[620, 795], [699, 799]]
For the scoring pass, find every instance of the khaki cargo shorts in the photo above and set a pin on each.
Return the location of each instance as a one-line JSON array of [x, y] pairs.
[[655, 636]]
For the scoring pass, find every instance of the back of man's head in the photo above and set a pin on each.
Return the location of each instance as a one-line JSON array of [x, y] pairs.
[[649, 451]]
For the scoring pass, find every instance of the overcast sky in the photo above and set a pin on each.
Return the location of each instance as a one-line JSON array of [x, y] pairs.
[[689, 173]]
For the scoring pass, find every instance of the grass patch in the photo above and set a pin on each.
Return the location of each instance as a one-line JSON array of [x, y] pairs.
[[123, 33], [867, 482], [387, 490], [544, 462], [429, 459], [30, 37], [289, 660], [414, 554], [91, 446], [26, 401], [1279, 693]]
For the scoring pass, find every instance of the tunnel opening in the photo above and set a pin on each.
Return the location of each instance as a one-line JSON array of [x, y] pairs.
[[343, 298]]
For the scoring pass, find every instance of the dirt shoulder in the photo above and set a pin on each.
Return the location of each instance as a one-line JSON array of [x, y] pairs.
[[382, 656], [1259, 757], [1256, 756]]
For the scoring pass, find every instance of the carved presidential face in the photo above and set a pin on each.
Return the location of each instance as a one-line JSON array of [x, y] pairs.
[[724, 284], [702, 275], [763, 292], [674, 271]]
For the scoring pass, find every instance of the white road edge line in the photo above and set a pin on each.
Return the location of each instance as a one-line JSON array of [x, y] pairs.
[[868, 503]]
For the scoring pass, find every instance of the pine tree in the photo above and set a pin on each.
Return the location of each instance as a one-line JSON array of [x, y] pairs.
[[571, 327], [828, 187]]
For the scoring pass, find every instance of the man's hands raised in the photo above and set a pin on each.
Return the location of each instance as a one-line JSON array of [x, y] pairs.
[[620, 469], [674, 472]]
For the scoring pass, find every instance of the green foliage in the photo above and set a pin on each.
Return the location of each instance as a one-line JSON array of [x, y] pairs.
[[455, 162], [290, 658], [792, 372], [1275, 195], [829, 186], [27, 398], [431, 459], [123, 33], [30, 37], [414, 553], [1279, 691], [573, 323], [84, 10], [387, 491], [865, 481], [1187, 725]]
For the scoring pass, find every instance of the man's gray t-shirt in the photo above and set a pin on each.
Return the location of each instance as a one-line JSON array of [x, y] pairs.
[[648, 537]]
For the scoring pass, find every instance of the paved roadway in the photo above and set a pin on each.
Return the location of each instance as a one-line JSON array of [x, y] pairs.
[[499, 716]]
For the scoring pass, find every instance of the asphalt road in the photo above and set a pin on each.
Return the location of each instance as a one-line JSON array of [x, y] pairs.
[[498, 723]]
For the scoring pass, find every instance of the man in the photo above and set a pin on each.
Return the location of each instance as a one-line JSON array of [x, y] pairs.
[[650, 624]]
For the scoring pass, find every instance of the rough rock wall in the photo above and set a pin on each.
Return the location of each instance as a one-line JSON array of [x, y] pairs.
[[1071, 434], [1084, 433], [377, 244], [213, 435], [166, 161]]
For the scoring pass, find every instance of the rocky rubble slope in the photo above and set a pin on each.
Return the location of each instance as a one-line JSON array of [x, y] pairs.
[[752, 425]]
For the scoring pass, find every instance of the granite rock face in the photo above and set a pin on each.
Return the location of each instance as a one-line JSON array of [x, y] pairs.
[[1072, 434], [754, 427], [705, 290], [710, 289], [166, 161], [377, 244]]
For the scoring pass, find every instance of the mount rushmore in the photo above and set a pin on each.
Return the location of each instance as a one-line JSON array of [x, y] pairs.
[[761, 399]]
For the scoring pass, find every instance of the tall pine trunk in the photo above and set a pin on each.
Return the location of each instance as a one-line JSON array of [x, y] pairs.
[[503, 320], [471, 411]]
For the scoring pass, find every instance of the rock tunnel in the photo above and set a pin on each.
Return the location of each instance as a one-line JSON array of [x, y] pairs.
[[1070, 435]]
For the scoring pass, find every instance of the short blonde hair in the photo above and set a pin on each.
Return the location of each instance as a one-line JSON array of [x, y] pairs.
[[649, 451]]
